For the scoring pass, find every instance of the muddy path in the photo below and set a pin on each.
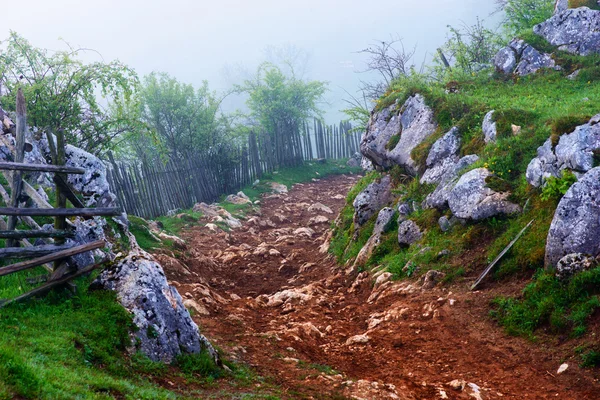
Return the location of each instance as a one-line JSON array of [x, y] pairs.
[[270, 296]]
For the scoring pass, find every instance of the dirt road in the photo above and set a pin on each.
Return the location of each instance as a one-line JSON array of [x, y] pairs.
[[270, 296]]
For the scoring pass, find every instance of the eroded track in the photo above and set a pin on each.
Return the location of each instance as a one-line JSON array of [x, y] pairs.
[[270, 296]]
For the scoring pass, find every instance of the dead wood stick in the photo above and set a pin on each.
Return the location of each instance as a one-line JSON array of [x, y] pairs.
[[497, 259]]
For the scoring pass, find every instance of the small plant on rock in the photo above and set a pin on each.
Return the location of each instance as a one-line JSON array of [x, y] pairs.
[[556, 188]]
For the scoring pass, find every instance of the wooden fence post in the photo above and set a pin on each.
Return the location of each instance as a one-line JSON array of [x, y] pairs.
[[17, 181]]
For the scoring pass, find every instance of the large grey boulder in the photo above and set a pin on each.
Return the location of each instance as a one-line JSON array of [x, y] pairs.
[[574, 151], [575, 30], [472, 199], [385, 218], [533, 60], [164, 326], [414, 122], [409, 233], [371, 200], [442, 157], [576, 224], [489, 128], [520, 58], [439, 198]]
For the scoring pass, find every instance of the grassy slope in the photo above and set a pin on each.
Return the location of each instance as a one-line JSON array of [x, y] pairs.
[[65, 346], [544, 105]]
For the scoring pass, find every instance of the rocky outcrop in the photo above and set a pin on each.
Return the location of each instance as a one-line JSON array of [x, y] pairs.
[[382, 225], [522, 59], [489, 128], [413, 124], [472, 199], [371, 200], [574, 30], [442, 157], [409, 233], [575, 151], [576, 224], [439, 198], [164, 326]]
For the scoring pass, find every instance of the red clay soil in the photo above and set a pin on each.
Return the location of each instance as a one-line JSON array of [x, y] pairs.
[[270, 298]]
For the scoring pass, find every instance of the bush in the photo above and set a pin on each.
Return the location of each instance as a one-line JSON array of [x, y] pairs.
[[556, 188]]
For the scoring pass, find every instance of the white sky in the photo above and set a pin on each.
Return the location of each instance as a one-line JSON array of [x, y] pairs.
[[196, 40]]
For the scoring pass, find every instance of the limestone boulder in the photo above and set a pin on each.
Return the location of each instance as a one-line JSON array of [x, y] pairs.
[[413, 123], [489, 128], [575, 30], [442, 157], [371, 200], [409, 233], [472, 199], [576, 224], [164, 326], [520, 58], [575, 151]]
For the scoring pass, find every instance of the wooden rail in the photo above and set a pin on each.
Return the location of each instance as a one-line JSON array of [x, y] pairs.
[[36, 234], [51, 257], [33, 251], [60, 212], [46, 287], [15, 166]]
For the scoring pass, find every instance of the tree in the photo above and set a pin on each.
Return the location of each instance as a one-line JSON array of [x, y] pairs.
[[522, 15], [389, 60], [62, 91], [184, 121], [281, 104]]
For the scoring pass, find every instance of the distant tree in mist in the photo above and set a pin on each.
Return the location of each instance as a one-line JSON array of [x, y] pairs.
[[181, 120], [280, 103]]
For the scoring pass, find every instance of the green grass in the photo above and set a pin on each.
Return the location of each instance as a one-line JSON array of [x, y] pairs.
[[70, 347], [593, 4], [561, 307]]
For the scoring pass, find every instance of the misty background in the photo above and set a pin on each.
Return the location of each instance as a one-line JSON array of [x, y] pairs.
[[219, 40]]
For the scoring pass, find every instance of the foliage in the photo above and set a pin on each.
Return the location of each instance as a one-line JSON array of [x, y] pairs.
[[557, 187], [468, 49], [549, 302], [183, 120], [280, 104], [62, 92], [522, 15]]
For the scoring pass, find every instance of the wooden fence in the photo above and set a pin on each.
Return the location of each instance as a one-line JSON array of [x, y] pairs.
[[149, 188]]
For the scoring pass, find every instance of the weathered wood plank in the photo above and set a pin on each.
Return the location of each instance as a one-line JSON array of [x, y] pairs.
[[34, 251], [17, 182], [48, 286], [61, 212], [36, 234], [14, 166], [497, 259], [57, 255]]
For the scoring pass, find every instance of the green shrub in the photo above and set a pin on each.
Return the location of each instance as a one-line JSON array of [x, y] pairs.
[[557, 187]]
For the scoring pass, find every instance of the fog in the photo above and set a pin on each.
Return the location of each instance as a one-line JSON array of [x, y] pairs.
[[207, 40]]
